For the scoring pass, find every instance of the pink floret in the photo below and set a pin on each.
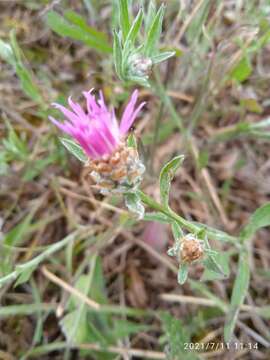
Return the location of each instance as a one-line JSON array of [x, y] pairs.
[[96, 129]]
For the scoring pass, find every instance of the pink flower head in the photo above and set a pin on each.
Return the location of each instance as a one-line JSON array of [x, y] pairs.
[[96, 129]]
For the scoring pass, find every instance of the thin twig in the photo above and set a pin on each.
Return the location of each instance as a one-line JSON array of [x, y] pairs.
[[55, 279], [201, 301]]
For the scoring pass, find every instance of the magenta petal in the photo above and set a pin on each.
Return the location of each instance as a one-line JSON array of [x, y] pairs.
[[129, 114], [133, 117], [102, 102], [77, 110], [65, 127], [92, 106], [105, 132], [97, 142], [86, 147], [68, 114]]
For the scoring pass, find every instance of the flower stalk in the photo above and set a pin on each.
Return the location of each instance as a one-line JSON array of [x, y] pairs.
[[188, 225]]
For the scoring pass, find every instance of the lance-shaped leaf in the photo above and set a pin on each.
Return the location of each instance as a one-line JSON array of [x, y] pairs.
[[154, 32], [182, 274], [211, 272], [149, 16], [74, 149], [239, 292], [117, 54], [135, 28], [165, 55], [166, 176], [177, 231], [134, 204], [124, 17], [260, 218], [211, 263], [12, 54], [77, 30]]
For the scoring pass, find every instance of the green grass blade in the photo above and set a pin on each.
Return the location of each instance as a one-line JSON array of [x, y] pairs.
[[64, 28], [165, 55], [239, 292], [135, 28], [154, 32], [117, 54], [13, 55], [124, 18], [79, 21], [260, 218], [25, 309]]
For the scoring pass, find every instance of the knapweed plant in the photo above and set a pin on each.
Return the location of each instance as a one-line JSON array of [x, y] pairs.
[[114, 166]]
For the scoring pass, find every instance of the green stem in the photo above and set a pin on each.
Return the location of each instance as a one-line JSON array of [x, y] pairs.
[[32, 264], [193, 227], [161, 92]]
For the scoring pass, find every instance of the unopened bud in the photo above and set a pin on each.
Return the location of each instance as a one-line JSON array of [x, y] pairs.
[[191, 249], [140, 65]]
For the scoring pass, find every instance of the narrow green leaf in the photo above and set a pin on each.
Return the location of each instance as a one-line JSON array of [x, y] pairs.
[[123, 328], [149, 16], [82, 330], [26, 79], [16, 234], [162, 56], [64, 28], [166, 175], [14, 237], [182, 274], [134, 204], [33, 263], [25, 309], [211, 261], [239, 292], [136, 25], [131, 141], [213, 265], [117, 54], [211, 273], [78, 20], [124, 18], [74, 149], [16, 148], [24, 276], [154, 32], [242, 70], [177, 231], [260, 219], [176, 336]]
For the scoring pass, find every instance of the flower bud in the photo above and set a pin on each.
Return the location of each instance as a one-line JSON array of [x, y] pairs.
[[191, 249], [140, 66]]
